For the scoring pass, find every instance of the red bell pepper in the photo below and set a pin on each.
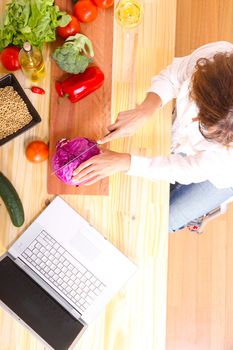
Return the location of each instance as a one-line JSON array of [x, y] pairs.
[[77, 86]]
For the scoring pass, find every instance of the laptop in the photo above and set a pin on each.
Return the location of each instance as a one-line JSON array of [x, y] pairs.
[[58, 276]]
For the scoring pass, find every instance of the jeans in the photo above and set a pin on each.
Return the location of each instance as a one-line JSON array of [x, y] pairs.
[[188, 202]]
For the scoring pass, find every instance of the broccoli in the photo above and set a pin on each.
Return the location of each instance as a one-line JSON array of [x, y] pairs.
[[75, 54]]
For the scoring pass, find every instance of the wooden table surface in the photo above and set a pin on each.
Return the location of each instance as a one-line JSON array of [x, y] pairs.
[[134, 216]]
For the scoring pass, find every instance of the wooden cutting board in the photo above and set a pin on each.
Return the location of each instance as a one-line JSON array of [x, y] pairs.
[[90, 116]]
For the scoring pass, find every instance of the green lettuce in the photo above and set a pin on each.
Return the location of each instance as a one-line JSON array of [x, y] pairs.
[[31, 20]]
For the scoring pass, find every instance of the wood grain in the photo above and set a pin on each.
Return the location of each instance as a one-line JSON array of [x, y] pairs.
[[90, 116], [134, 216], [200, 278]]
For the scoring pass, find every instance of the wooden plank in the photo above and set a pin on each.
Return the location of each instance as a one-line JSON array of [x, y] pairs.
[[90, 116], [200, 277]]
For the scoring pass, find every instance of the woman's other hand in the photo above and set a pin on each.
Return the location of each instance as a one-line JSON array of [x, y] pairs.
[[128, 122], [104, 164]]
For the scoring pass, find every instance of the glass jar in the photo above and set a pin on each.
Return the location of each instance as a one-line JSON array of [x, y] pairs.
[[129, 13]]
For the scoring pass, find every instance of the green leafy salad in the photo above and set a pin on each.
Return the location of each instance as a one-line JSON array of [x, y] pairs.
[[31, 20]]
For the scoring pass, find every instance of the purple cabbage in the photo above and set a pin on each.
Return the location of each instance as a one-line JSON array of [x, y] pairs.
[[66, 150]]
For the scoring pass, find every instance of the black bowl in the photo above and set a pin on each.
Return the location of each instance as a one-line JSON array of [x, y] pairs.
[[10, 80]]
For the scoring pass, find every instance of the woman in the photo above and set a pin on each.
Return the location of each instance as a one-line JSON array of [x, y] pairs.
[[200, 167]]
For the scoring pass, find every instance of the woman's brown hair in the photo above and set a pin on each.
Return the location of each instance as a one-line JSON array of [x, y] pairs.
[[212, 91]]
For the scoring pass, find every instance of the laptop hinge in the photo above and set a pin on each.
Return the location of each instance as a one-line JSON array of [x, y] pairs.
[[11, 256]]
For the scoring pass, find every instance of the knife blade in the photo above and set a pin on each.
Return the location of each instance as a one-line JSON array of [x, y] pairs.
[[70, 161]]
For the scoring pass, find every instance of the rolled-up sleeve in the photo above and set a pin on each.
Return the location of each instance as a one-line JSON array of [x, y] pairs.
[[167, 84], [183, 169]]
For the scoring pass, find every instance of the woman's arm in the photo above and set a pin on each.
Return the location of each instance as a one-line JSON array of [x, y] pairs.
[[165, 86], [205, 165], [129, 122], [173, 168]]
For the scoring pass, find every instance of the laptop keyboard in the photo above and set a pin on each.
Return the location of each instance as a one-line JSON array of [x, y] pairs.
[[63, 271]]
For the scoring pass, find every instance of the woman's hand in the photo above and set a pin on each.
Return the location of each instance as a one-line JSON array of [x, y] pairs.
[[104, 164], [128, 122]]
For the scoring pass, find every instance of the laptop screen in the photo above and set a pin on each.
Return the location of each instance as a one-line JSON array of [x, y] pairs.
[[36, 307]]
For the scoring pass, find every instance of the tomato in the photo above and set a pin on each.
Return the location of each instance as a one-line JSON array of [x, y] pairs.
[[37, 151], [72, 28], [10, 58], [104, 4], [85, 11]]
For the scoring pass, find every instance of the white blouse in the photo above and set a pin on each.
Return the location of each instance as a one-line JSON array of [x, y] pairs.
[[203, 160]]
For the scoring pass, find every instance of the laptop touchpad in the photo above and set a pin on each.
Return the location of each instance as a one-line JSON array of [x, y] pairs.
[[84, 246]]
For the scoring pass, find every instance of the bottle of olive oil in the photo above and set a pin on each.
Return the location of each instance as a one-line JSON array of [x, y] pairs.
[[32, 63]]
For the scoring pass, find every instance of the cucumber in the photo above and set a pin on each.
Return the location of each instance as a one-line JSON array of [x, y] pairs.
[[12, 201]]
